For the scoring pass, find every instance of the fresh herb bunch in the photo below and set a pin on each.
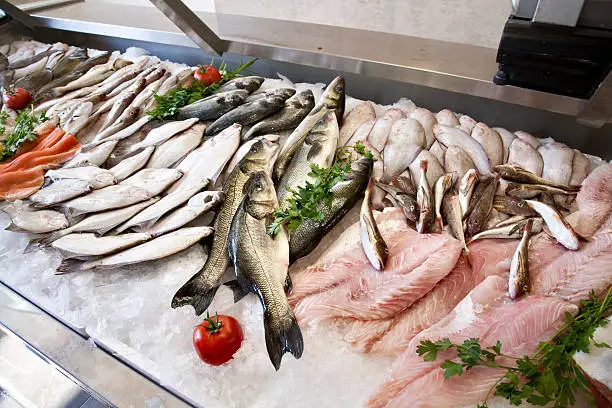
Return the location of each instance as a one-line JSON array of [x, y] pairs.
[[169, 104], [305, 201], [550, 375], [23, 131], [3, 120]]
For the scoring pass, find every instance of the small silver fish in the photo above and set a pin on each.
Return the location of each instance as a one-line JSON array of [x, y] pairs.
[[518, 281], [557, 225], [163, 133], [97, 177], [171, 151], [372, 241], [155, 181], [23, 219], [87, 244], [132, 164], [443, 184], [127, 118], [96, 156], [107, 198], [61, 190]]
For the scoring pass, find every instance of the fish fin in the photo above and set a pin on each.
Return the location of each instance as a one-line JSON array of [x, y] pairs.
[[238, 291], [68, 266], [32, 246], [282, 335], [13, 228], [44, 240], [288, 285], [91, 145], [191, 293]]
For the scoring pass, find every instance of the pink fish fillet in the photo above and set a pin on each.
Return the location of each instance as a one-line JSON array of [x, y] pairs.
[[392, 336], [416, 264], [594, 202], [520, 326]]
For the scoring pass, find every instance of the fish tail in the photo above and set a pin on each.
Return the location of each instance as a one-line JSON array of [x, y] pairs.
[[45, 240], [282, 335], [195, 294], [439, 223], [13, 228], [68, 266], [468, 256], [238, 291]]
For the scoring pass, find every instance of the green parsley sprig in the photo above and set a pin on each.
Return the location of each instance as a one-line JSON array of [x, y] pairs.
[[305, 201], [550, 375], [168, 105], [22, 132]]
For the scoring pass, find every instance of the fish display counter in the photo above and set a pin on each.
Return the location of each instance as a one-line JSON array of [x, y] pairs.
[[305, 229]]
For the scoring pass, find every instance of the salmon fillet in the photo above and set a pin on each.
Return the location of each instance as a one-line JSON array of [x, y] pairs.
[[41, 156], [20, 184]]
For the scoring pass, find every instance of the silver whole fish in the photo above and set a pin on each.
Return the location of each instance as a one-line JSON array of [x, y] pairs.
[[425, 201], [107, 198], [466, 189], [131, 83], [127, 118], [452, 213], [372, 242], [402, 199], [197, 205], [249, 84], [360, 114], [201, 288], [153, 180], [163, 133], [94, 76], [296, 108], [214, 106], [449, 136], [344, 196], [96, 156], [88, 244], [261, 265], [97, 177], [132, 164], [250, 112], [123, 133], [23, 219], [145, 99], [443, 184], [61, 190], [244, 149], [79, 118], [518, 280], [173, 81], [174, 149], [157, 248], [560, 229]]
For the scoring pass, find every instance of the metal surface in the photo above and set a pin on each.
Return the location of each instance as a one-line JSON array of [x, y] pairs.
[[192, 26], [559, 12], [18, 14], [42, 4], [524, 8], [598, 110], [92, 368]]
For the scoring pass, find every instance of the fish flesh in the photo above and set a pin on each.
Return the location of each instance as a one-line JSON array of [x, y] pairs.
[[466, 189], [457, 161], [447, 118], [96, 156], [201, 288], [427, 121], [249, 83], [127, 118], [425, 201], [404, 200], [87, 244], [507, 139], [512, 206], [522, 154], [491, 142], [404, 143], [260, 265], [153, 180], [344, 196], [132, 164], [61, 190], [518, 281], [214, 106], [479, 214], [449, 136], [557, 225], [215, 152], [23, 219], [107, 198], [434, 169], [295, 110], [319, 148], [360, 114], [97, 177], [442, 185], [372, 242], [163, 133], [176, 148], [594, 202], [521, 175], [157, 248], [197, 205]]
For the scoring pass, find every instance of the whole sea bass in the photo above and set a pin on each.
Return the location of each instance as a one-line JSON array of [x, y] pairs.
[[260, 264], [201, 288], [214, 106], [344, 195]]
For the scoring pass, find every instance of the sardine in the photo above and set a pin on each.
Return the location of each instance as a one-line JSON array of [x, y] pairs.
[[518, 281], [261, 265], [520, 175], [88, 244], [23, 219], [128, 117], [97, 177], [294, 111], [490, 141], [449, 136], [96, 156], [201, 288], [157, 248], [79, 118], [197, 205], [483, 204], [372, 242], [174, 149], [61, 190], [512, 206], [360, 114], [522, 154], [163, 133], [466, 189], [319, 148], [443, 184], [153, 180], [451, 208], [425, 201], [132, 164], [107, 198], [214, 106], [344, 196], [560, 229], [405, 142], [402, 199], [249, 83], [249, 113]]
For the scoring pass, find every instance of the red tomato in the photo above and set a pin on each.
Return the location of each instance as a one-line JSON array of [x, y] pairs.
[[17, 98], [217, 339], [207, 74]]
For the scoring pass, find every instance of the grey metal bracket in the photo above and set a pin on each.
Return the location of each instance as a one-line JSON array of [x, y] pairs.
[[18, 14]]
